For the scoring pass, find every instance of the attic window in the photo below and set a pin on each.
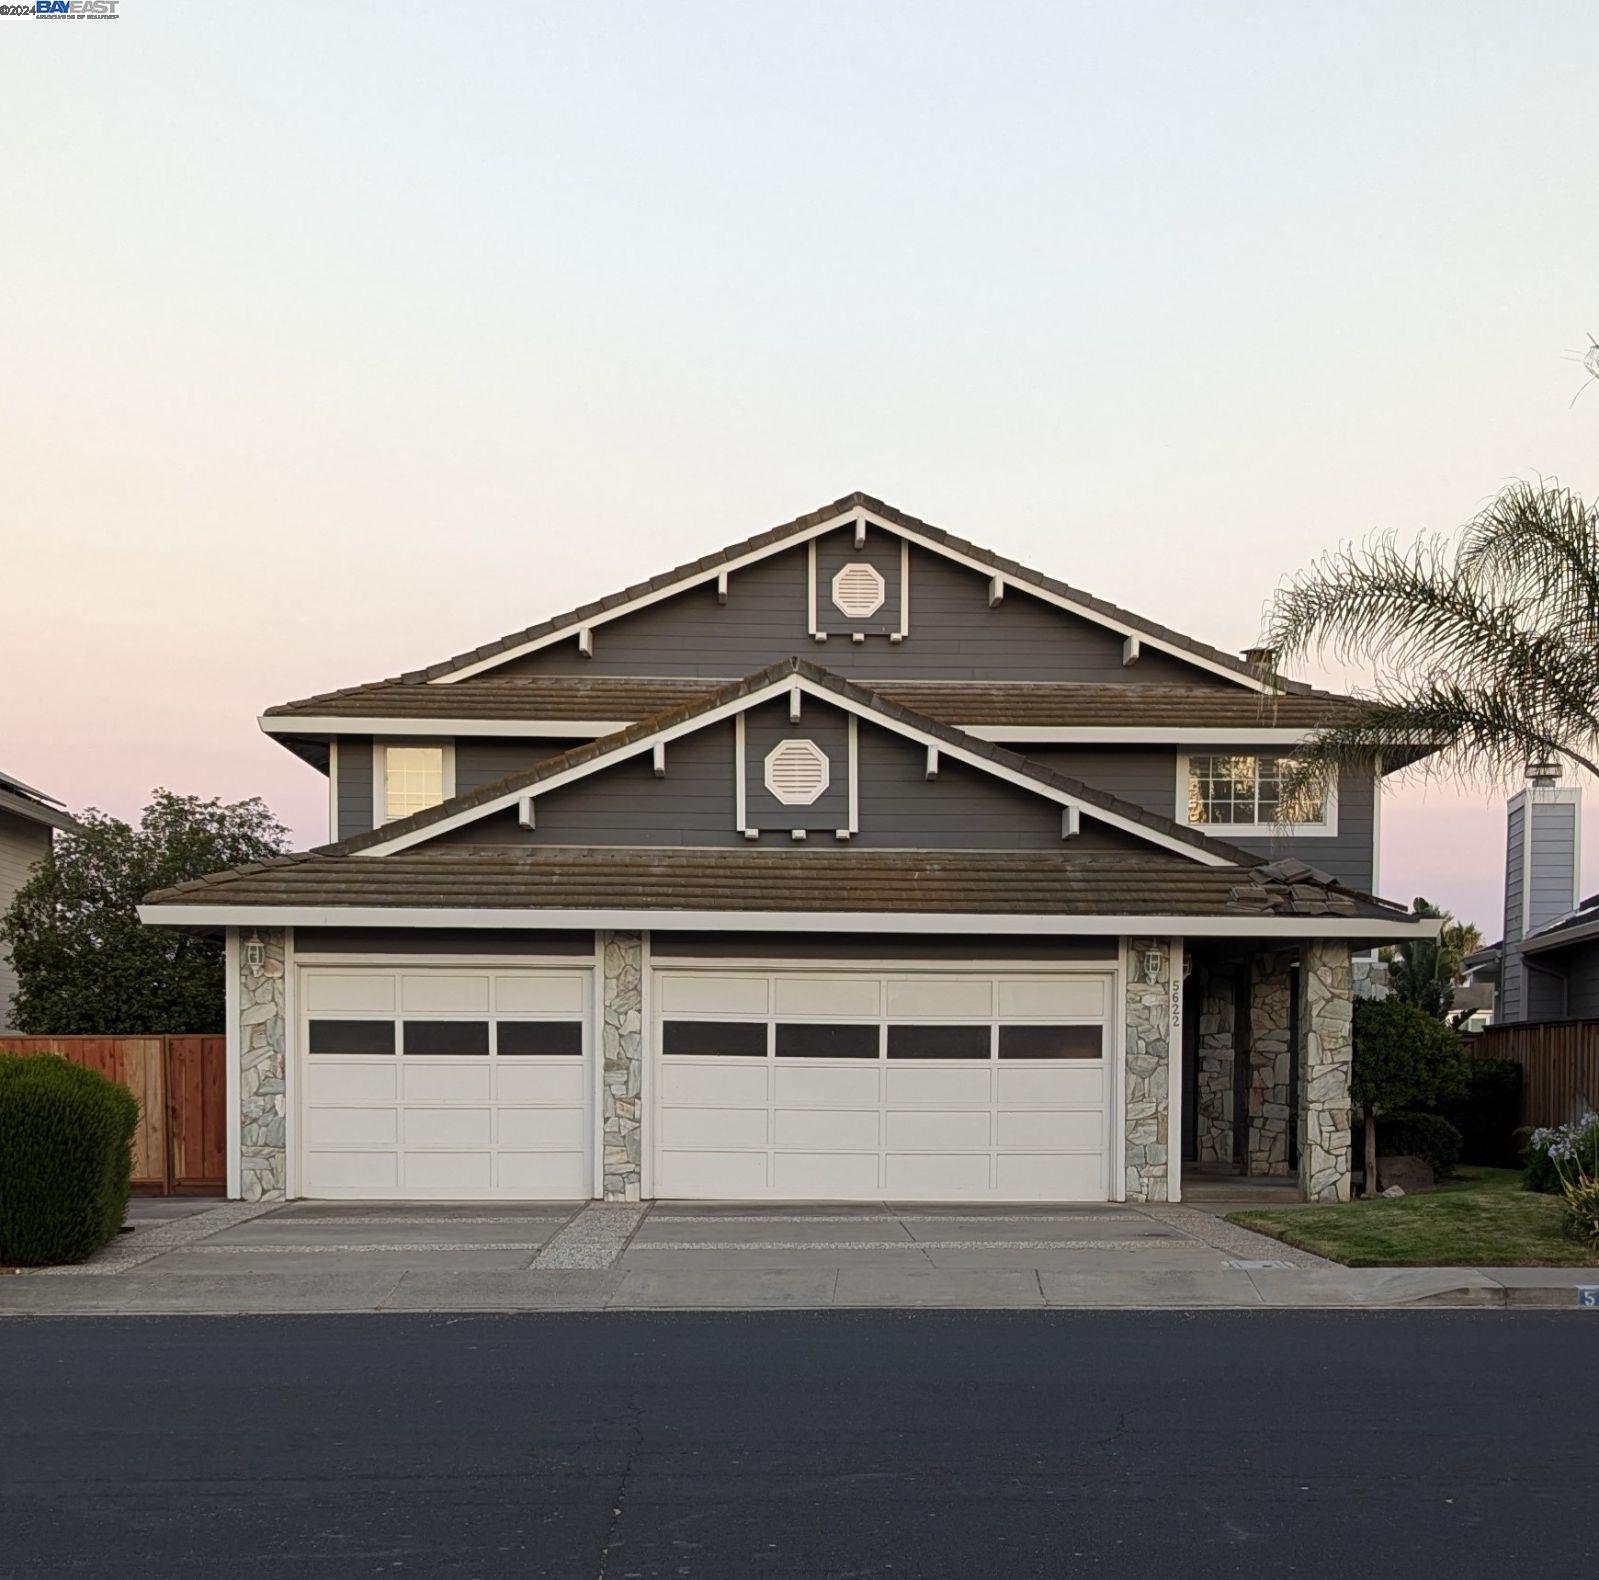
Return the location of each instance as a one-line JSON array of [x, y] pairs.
[[859, 590], [797, 772]]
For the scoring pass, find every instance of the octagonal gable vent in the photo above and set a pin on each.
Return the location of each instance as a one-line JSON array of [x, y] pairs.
[[797, 772], [858, 590]]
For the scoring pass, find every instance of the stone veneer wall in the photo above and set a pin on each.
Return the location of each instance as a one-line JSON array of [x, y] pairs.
[[262, 1155], [1326, 1024], [622, 975], [1147, 1099], [1270, 1006], [1214, 1068]]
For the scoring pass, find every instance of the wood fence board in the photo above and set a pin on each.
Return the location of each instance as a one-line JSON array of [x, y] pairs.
[[180, 1142], [1559, 1064]]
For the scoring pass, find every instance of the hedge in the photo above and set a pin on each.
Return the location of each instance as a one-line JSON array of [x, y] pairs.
[[1489, 1112], [66, 1156]]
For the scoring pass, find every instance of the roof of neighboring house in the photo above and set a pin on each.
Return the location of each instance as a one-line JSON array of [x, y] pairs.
[[775, 538], [1050, 704], [574, 878], [597, 751], [1574, 927], [22, 800]]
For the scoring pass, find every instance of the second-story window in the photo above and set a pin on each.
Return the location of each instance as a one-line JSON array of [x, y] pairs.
[[1235, 790], [414, 778]]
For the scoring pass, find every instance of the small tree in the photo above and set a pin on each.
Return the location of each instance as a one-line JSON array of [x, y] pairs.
[[1425, 971], [83, 960], [1404, 1058]]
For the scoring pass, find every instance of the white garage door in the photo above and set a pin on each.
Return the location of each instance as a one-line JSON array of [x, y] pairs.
[[444, 1083], [851, 1087]]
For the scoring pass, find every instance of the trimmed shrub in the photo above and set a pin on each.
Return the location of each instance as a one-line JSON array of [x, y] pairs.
[[1488, 1114], [66, 1139]]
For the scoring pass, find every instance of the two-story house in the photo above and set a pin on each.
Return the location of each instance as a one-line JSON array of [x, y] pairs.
[[850, 862], [28, 822]]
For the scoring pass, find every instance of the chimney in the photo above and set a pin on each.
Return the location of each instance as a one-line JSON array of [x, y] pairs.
[[1263, 659], [1541, 877]]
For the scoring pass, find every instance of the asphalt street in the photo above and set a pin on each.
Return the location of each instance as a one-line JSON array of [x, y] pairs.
[[801, 1443]]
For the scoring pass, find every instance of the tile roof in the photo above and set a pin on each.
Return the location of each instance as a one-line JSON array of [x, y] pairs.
[[563, 878], [775, 537], [597, 750], [1024, 703]]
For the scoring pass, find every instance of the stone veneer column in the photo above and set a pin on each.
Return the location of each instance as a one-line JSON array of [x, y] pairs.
[[1214, 1068], [1147, 1096], [1326, 1023], [622, 958], [1270, 1007], [262, 1156]]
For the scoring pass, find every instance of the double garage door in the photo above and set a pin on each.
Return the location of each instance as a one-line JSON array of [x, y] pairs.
[[897, 1086], [433, 1082], [447, 1084]]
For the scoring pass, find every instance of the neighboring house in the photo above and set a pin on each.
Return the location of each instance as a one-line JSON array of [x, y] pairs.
[[850, 862], [28, 821], [1546, 967]]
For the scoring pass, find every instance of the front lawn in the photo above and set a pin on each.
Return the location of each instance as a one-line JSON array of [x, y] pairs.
[[1482, 1219]]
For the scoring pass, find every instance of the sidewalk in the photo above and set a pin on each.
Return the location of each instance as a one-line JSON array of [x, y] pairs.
[[237, 1258]]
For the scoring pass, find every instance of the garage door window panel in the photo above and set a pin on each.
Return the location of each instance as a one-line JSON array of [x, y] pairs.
[[823, 1040], [357, 1037], [468, 1038], [1051, 1042], [940, 1042], [539, 1039], [720, 1039]]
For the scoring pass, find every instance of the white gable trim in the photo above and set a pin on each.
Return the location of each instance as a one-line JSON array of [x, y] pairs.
[[857, 516], [782, 687], [175, 914]]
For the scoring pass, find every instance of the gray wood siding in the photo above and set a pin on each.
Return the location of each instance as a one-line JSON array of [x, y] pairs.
[[954, 635], [625, 804], [827, 728], [882, 552], [1552, 875], [355, 785], [23, 845], [1147, 776], [1581, 965], [480, 760]]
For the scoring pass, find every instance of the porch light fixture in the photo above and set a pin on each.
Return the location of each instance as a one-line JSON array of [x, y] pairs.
[[254, 952], [1150, 962]]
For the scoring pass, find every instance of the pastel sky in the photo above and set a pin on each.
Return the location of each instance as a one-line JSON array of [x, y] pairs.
[[337, 339]]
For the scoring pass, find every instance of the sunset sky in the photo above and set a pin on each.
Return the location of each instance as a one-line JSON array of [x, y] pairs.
[[338, 339]]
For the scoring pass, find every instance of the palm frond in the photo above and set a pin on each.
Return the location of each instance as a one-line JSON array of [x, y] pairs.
[[1540, 541]]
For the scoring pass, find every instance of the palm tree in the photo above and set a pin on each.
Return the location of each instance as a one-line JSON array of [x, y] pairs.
[[1486, 647]]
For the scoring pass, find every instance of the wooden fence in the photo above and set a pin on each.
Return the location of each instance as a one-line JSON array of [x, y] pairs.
[[181, 1145], [1559, 1062]]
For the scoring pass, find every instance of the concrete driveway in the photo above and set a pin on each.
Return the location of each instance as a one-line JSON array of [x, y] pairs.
[[412, 1256]]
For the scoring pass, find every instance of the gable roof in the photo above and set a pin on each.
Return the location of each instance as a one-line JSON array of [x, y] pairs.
[[863, 507], [746, 693], [615, 701]]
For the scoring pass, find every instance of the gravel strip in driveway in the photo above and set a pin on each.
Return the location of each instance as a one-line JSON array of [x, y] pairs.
[[594, 1239], [145, 1244]]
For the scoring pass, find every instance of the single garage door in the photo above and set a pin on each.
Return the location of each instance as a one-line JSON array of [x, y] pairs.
[[903, 1086], [444, 1083]]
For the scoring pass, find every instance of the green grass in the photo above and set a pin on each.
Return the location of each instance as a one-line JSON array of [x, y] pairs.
[[1481, 1219]]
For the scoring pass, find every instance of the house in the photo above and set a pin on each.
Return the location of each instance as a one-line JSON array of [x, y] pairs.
[[28, 821], [1546, 966], [850, 862]]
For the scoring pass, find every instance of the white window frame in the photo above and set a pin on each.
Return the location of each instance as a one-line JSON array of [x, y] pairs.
[[380, 787], [1324, 828]]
